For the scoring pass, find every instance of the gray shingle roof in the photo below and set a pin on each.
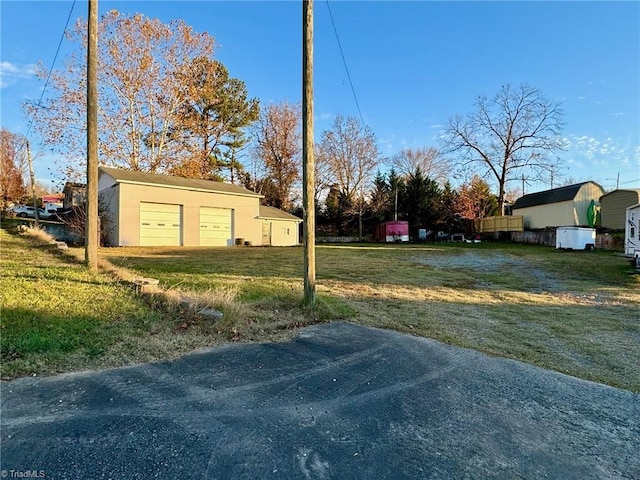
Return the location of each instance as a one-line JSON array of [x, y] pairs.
[[130, 176], [545, 197], [276, 214]]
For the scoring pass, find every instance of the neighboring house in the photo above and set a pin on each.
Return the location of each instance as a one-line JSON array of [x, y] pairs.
[[75, 195], [279, 228], [613, 206], [559, 207], [151, 210]]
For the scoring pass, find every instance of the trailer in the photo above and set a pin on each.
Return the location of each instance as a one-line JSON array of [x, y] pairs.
[[632, 232], [394, 231], [575, 238]]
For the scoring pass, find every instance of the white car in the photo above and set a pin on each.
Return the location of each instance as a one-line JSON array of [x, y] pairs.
[[25, 211]]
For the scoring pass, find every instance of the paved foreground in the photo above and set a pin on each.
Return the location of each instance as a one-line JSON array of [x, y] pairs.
[[339, 402]]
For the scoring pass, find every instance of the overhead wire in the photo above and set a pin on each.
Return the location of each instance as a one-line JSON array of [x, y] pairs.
[[46, 83], [344, 61]]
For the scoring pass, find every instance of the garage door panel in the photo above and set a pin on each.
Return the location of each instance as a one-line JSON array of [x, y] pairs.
[[216, 226], [160, 224]]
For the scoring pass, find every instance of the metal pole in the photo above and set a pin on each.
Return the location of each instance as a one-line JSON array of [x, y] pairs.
[[91, 226], [308, 164]]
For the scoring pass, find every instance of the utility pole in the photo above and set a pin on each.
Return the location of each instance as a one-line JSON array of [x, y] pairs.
[[618, 181], [91, 226], [308, 164], [33, 184]]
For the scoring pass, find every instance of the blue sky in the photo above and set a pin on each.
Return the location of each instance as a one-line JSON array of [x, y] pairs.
[[413, 65]]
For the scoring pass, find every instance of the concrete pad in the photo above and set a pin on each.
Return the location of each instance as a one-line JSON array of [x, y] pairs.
[[339, 402]]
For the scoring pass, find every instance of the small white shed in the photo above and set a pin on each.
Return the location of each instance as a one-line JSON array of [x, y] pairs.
[[632, 232]]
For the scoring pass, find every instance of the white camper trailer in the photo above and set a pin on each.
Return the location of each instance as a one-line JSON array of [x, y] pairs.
[[632, 232]]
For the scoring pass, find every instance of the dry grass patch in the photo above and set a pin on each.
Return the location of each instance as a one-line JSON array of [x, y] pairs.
[[572, 312]]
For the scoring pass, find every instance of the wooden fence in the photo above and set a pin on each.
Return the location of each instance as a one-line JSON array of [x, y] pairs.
[[508, 223]]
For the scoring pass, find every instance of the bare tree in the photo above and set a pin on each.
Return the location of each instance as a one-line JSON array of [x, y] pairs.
[[12, 166], [351, 153], [279, 146], [139, 92], [432, 165], [517, 131]]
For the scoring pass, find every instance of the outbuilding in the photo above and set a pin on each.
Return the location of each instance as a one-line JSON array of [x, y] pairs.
[[572, 205], [143, 209], [279, 228], [613, 206], [393, 231]]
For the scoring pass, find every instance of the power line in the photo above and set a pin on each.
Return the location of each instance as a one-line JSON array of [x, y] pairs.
[[344, 61], [46, 83]]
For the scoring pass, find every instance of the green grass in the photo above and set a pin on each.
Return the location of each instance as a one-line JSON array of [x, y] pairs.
[[573, 312], [57, 317]]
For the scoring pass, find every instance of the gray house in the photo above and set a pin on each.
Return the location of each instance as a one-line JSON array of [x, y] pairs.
[[613, 206]]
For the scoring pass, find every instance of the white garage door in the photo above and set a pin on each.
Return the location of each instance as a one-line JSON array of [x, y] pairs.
[[160, 224], [216, 227]]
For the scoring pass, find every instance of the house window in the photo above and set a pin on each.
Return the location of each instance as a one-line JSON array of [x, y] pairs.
[[633, 233], [285, 231]]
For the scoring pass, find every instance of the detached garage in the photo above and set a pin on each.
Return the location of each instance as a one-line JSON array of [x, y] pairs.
[[143, 209]]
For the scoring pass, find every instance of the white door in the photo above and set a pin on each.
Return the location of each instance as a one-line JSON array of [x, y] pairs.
[[160, 224], [216, 227]]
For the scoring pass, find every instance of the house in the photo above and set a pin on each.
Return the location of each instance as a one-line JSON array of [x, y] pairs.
[[632, 231], [144, 209], [613, 206], [572, 205], [75, 194]]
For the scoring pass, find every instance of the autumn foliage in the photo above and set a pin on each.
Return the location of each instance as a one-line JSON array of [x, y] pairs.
[[12, 163]]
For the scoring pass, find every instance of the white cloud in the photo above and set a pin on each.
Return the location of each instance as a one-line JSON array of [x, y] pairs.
[[606, 152], [617, 114], [10, 73]]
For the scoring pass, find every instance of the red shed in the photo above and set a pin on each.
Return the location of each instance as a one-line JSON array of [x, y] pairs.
[[394, 231]]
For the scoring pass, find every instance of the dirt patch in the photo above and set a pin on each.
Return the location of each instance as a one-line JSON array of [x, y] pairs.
[[483, 262]]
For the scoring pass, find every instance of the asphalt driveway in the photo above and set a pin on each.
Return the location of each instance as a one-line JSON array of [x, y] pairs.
[[338, 402]]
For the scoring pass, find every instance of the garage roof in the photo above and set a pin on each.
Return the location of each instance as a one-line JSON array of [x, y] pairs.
[[276, 214], [130, 176], [555, 195]]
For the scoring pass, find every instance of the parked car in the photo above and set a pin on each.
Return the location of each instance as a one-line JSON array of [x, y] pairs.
[[25, 211]]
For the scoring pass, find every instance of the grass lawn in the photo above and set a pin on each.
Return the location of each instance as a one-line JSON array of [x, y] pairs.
[[573, 312]]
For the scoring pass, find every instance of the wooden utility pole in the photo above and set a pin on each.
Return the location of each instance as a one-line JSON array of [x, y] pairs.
[[91, 227], [308, 164], [33, 184]]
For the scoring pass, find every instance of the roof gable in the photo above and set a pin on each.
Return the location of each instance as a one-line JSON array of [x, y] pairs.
[[276, 214], [130, 176], [556, 195], [623, 190]]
